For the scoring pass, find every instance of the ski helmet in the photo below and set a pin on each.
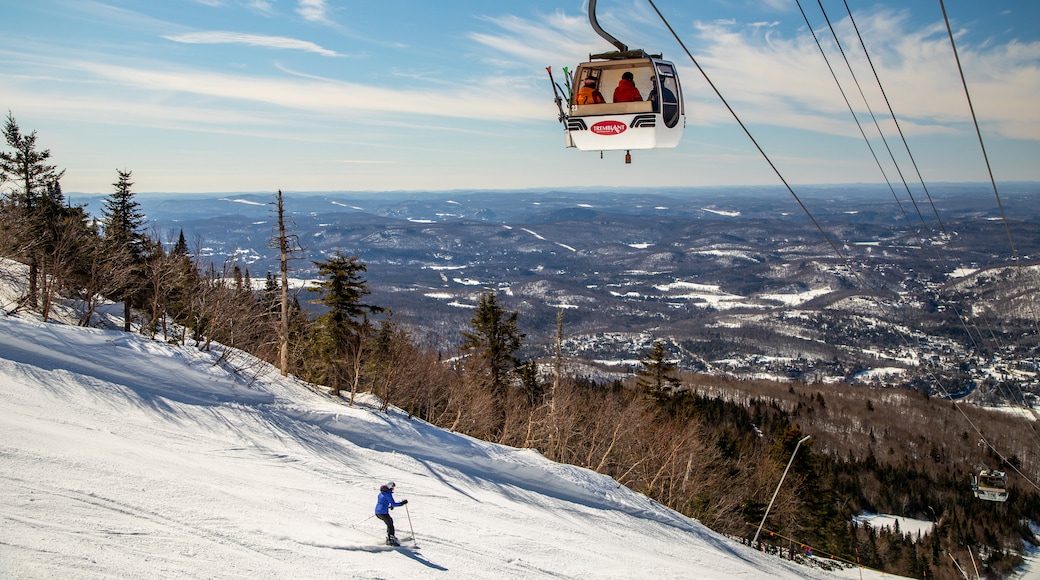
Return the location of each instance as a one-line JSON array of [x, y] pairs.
[[390, 485]]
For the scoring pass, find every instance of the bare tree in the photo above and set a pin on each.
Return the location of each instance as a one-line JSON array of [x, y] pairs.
[[68, 246], [100, 277], [554, 427], [166, 277], [288, 246]]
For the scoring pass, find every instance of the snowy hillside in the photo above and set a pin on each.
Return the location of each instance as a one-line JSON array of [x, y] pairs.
[[125, 457]]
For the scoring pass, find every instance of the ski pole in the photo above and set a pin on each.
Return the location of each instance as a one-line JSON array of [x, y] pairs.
[[362, 521], [410, 528]]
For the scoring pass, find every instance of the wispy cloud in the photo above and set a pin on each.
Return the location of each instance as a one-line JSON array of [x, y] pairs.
[[784, 81], [557, 36], [308, 93], [778, 5], [279, 42], [264, 7], [312, 10]]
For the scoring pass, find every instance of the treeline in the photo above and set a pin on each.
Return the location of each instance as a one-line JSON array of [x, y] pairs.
[[682, 440], [902, 452]]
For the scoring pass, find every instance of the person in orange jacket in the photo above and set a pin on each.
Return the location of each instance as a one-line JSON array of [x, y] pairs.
[[588, 94]]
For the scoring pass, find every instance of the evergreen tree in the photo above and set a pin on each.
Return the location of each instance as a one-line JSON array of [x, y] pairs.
[[238, 279], [122, 217], [181, 247], [53, 196], [271, 295], [534, 390], [27, 168], [342, 290], [125, 243], [65, 245], [338, 338], [657, 375], [493, 343], [390, 353], [175, 285]]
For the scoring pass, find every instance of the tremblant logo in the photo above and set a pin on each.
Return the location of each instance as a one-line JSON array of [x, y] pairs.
[[608, 128]]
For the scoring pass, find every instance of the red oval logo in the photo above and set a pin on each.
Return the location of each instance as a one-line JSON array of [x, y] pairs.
[[608, 128]]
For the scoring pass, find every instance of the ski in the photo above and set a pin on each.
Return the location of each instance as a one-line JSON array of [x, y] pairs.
[[400, 543], [399, 546]]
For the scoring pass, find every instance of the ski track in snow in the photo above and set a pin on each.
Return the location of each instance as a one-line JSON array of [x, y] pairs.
[[126, 457]]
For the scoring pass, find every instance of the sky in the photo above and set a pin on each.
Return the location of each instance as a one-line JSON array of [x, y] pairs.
[[325, 95], [124, 457]]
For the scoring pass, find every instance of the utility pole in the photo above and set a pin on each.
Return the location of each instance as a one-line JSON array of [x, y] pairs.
[[782, 477]]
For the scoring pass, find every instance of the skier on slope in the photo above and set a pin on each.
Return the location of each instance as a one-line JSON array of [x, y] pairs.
[[384, 504]]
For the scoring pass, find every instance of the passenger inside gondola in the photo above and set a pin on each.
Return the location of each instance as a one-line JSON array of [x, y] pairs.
[[589, 94], [626, 90], [666, 97]]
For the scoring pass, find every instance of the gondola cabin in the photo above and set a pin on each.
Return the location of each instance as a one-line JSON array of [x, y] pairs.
[[990, 485], [604, 117]]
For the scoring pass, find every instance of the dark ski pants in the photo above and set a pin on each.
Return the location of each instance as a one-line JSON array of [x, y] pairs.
[[389, 521]]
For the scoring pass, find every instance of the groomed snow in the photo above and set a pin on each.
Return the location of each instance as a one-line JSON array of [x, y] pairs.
[[130, 458]]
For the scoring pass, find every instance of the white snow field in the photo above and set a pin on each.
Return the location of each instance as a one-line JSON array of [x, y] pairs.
[[123, 457]]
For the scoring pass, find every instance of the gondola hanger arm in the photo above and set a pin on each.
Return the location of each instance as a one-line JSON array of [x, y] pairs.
[[621, 46]]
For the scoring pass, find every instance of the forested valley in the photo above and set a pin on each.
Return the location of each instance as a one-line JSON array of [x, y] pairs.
[[710, 447]]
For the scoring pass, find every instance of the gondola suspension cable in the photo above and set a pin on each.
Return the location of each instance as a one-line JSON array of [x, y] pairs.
[[935, 379], [989, 169], [855, 118], [870, 110], [978, 132], [985, 156], [960, 315], [754, 141], [996, 341], [895, 120], [812, 218], [906, 145], [854, 273]]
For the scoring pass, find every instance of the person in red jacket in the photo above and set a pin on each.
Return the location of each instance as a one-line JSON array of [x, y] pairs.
[[626, 90]]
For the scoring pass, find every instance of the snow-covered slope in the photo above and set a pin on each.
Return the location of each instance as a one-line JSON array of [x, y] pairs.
[[125, 457]]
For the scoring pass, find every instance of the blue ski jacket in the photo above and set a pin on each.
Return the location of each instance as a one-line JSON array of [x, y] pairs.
[[386, 501]]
